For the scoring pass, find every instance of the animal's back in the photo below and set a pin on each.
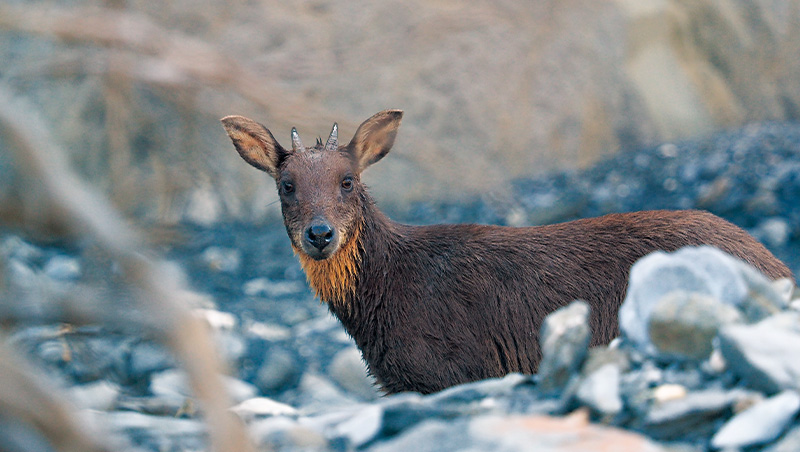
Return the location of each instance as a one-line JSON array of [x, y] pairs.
[[472, 298]]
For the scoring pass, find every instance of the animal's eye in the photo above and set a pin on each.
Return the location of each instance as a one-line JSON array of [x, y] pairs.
[[287, 187], [347, 183]]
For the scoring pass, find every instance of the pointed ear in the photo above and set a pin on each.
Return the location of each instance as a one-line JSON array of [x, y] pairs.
[[255, 143], [374, 138]]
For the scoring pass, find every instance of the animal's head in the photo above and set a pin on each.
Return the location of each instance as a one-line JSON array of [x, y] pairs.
[[320, 187]]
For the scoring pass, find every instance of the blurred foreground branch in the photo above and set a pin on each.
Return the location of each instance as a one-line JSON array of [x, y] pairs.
[[26, 400], [54, 199]]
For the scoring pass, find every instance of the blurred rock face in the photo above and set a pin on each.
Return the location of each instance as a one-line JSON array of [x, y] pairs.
[[491, 91]]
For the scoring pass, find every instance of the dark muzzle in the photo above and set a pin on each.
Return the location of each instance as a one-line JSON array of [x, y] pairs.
[[319, 235]]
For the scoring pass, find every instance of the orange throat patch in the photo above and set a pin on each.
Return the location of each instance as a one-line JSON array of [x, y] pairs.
[[334, 279]]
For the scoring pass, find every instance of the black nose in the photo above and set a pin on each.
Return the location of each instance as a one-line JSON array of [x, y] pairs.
[[319, 235]]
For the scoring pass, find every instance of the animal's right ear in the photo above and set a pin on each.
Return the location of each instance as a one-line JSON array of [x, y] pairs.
[[255, 143]]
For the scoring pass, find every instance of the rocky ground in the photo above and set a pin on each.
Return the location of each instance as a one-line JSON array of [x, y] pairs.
[[707, 369]]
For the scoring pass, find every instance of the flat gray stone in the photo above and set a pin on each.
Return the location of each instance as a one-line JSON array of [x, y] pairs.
[[790, 442], [766, 355], [759, 424], [694, 413]]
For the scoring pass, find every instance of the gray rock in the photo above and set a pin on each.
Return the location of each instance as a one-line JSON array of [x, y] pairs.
[[564, 339], [318, 393], [146, 358], [785, 289], [279, 371], [766, 355], [602, 356], [14, 247], [231, 345], [361, 428], [100, 395], [684, 324], [790, 442], [173, 384], [759, 424], [156, 432], [262, 407], [63, 268], [600, 391], [773, 231], [763, 297], [349, 371], [702, 270], [269, 331], [432, 435], [286, 433], [226, 260], [692, 415], [265, 287], [477, 396]]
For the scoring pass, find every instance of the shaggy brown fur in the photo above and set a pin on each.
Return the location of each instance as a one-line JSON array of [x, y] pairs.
[[434, 306]]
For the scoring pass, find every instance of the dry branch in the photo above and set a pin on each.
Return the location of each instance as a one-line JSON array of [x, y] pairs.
[[57, 199]]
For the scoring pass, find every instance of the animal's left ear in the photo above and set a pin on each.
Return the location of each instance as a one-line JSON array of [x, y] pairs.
[[374, 138]]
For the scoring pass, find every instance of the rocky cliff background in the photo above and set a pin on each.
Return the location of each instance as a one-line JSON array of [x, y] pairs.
[[492, 90], [148, 295]]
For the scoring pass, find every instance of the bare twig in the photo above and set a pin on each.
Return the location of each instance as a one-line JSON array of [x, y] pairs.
[[57, 199], [26, 399]]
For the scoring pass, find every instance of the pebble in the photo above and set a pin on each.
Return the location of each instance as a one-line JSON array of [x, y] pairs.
[[668, 392], [62, 268], [262, 407], [216, 319], [226, 260]]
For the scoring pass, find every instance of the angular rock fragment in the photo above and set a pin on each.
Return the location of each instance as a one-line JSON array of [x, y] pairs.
[[761, 423], [564, 339], [766, 355]]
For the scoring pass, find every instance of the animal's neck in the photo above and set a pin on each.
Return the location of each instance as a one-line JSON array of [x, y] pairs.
[[335, 280]]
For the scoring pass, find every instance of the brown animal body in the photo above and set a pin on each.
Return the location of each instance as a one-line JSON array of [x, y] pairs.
[[435, 306]]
